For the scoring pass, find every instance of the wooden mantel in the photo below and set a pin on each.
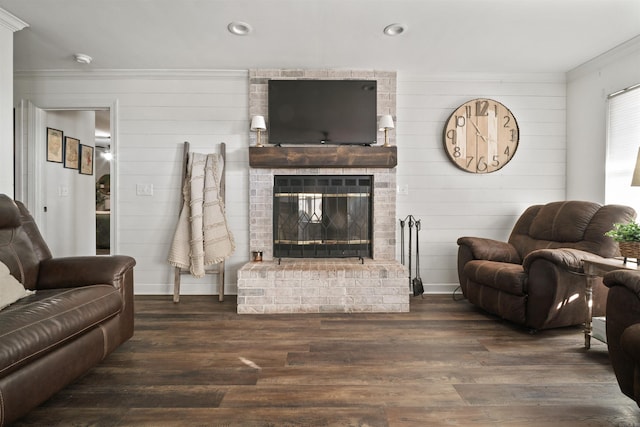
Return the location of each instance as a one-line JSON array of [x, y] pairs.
[[325, 156]]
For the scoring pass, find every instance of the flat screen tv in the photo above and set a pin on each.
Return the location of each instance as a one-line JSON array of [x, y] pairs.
[[322, 112]]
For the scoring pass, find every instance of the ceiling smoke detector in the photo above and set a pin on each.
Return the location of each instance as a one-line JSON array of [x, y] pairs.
[[81, 58], [239, 28]]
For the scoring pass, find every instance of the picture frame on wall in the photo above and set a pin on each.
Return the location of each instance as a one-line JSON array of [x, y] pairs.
[[54, 145], [86, 159], [71, 152]]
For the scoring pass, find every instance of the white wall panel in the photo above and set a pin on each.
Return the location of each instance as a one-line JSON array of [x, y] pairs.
[[453, 203], [6, 113], [159, 111], [587, 89]]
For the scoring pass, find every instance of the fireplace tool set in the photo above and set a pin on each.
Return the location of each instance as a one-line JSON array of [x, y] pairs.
[[414, 283]]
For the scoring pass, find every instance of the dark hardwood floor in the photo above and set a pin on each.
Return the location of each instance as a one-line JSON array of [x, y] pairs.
[[198, 363]]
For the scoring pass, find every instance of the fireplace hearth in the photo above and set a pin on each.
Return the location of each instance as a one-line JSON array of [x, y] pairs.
[[291, 284]]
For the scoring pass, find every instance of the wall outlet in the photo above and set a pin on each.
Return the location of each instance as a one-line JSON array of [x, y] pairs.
[[403, 189], [144, 189]]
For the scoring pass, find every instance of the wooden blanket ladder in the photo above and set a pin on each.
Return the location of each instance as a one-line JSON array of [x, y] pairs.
[[215, 269]]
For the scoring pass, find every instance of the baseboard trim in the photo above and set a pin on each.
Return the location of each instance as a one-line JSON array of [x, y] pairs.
[[230, 288]]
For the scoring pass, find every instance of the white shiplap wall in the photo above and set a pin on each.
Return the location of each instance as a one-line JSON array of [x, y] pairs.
[[453, 203], [159, 110]]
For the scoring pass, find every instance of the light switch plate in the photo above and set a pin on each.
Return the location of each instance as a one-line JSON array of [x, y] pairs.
[[144, 189]]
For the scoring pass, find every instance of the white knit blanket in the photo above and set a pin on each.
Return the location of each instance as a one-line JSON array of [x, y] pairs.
[[202, 236]]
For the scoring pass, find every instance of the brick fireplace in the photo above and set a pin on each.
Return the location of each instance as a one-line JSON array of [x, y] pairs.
[[373, 283]]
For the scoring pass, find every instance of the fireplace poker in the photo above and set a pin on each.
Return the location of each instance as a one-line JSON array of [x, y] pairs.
[[418, 288], [411, 222], [402, 241]]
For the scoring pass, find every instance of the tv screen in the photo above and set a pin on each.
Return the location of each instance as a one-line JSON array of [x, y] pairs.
[[322, 112]]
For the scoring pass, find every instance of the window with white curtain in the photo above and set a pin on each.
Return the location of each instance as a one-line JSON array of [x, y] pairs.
[[623, 144]]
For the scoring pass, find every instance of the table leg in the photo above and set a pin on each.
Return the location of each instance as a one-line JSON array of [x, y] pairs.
[[589, 300]]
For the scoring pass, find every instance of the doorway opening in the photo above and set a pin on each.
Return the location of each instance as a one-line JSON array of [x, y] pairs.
[[62, 198]]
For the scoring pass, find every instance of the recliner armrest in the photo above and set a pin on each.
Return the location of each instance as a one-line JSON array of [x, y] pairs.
[[627, 278], [491, 250], [71, 272], [569, 259], [630, 342]]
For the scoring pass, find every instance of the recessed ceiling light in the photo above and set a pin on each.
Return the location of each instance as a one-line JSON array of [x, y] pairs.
[[239, 28], [81, 58], [394, 29]]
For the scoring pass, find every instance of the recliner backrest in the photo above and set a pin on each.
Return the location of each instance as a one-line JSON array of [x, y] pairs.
[[569, 224], [21, 244]]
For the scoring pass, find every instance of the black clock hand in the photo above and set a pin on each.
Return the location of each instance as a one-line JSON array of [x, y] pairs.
[[478, 131]]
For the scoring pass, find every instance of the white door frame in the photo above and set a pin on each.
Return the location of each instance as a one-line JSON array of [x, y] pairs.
[[30, 183]]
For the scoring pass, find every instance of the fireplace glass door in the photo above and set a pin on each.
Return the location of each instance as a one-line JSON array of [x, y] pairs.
[[322, 216]]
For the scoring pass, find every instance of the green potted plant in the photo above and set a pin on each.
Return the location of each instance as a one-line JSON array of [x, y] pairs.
[[628, 237]]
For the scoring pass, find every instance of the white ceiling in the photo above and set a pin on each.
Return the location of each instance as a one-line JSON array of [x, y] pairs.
[[442, 36]]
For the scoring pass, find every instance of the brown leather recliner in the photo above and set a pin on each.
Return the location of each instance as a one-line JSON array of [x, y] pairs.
[[82, 310], [536, 279], [623, 329]]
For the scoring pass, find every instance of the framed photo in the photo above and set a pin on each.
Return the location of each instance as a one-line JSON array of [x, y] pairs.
[[54, 145], [71, 152], [86, 159]]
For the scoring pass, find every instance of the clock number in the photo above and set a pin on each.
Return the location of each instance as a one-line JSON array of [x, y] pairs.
[[482, 108], [460, 121], [513, 135], [507, 119], [469, 161], [481, 166], [467, 109], [456, 151], [495, 162], [507, 151], [452, 135]]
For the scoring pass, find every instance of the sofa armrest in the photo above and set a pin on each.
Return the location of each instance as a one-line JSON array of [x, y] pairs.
[[490, 250], [566, 258], [71, 272]]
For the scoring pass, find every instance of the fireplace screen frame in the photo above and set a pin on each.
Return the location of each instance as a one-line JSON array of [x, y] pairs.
[[322, 216]]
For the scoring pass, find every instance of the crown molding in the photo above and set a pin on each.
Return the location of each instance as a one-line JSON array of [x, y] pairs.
[[11, 22], [549, 77], [130, 74], [623, 50]]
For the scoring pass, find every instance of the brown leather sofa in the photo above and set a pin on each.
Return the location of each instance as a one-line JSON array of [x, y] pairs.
[[536, 279], [81, 311], [623, 329]]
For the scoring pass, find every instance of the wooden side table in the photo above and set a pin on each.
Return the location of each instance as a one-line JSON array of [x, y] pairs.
[[594, 269]]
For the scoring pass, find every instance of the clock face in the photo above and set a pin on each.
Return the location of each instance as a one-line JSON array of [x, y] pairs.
[[481, 136]]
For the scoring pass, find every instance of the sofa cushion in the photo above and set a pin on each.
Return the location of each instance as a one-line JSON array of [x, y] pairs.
[[48, 319], [10, 289], [502, 276]]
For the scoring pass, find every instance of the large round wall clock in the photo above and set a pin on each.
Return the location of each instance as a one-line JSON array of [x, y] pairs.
[[481, 136]]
